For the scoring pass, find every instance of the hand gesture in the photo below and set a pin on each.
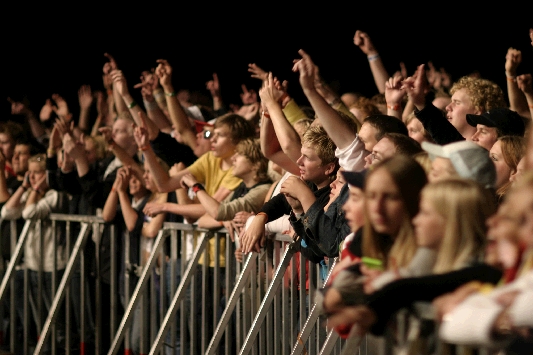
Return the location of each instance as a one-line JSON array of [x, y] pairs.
[[294, 187], [74, 148], [213, 86], [248, 96], [17, 107], [394, 93], [269, 93], [257, 72], [239, 220], [307, 70], [417, 86], [107, 133], [85, 97], [164, 73], [362, 40], [524, 83], [140, 133], [119, 81], [512, 59], [122, 179], [61, 107], [149, 82], [55, 140], [188, 180], [40, 185], [46, 111]]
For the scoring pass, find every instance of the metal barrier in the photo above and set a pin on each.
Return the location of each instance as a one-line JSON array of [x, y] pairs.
[[178, 302]]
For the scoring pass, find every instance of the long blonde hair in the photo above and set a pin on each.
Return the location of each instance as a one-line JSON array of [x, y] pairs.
[[465, 206], [410, 178]]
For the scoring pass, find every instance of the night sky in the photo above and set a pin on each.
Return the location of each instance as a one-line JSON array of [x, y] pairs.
[[58, 50]]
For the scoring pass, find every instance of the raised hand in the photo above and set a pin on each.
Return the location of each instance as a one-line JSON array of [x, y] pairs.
[[149, 83], [257, 72], [394, 93], [17, 107], [46, 111], [85, 97], [269, 92], [307, 70], [61, 107], [524, 83], [513, 58], [362, 40], [248, 96], [122, 179], [119, 81], [213, 86], [417, 86], [140, 133], [164, 72], [74, 148]]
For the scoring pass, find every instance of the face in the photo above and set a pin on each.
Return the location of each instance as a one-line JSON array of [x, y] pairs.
[[310, 166], [457, 110], [21, 155], [354, 208], [148, 178], [415, 130], [36, 172], [336, 185], [382, 150], [520, 168], [90, 151], [429, 225], [441, 169], [203, 141], [123, 134], [136, 187], [221, 144], [384, 204], [503, 171], [485, 136], [7, 145], [242, 166], [367, 135]]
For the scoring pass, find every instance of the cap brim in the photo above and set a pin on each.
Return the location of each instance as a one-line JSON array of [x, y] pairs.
[[474, 120], [434, 150], [200, 125], [355, 178]]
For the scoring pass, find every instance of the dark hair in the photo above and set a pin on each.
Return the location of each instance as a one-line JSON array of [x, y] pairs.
[[404, 144], [386, 124], [238, 126]]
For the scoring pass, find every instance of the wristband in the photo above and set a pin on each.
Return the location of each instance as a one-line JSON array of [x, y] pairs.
[[132, 105], [395, 107], [263, 214], [144, 148], [51, 152], [197, 187], [371, 58], [170, 94], [266, 114]]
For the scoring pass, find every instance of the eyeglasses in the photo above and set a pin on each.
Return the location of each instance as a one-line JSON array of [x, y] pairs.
[[207, 134]]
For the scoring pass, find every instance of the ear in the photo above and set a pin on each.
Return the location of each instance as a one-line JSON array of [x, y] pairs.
[[330, 168]]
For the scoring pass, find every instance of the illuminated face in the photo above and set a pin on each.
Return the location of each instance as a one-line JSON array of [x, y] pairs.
[[354, 211], [336, 186], [242, 166], [310, 166], [123, 134], [429, 225], [384, 205], [457, 110], [485, 136], [503, 171], [37, 171], [221, 144], [416, 130], [441, 169], [148, 178], [136, 187], [382, 150]]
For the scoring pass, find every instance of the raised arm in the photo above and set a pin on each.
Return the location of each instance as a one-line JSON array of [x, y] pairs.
[[148, 85], [394, 94], [517, 99], [525, 83], [337, 128], [85, 99], [362, 40], [178, 117], [111, 65]]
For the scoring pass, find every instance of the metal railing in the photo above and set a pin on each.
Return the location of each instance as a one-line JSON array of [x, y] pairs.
[[177, 300]]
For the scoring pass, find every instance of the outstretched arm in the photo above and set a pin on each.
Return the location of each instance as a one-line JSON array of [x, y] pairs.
[[517, 99], [362, 40]]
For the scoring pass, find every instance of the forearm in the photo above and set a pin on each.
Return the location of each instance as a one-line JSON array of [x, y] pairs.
[[129, 214], [4, 193], [378, 71], [286, 134], [191, 211], [339, 131], [162, 180], [110, 207], [120, 106], [156, 115], [83, 122], [36, 127], [178, 117], [209, 203]]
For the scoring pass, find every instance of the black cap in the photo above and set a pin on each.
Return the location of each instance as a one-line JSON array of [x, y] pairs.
[[507, 121], [355, 178]]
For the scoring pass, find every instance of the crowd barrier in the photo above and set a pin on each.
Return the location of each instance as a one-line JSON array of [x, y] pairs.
[[179, 304]]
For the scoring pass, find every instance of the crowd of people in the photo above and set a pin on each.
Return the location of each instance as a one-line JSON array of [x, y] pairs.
[[424, 191]]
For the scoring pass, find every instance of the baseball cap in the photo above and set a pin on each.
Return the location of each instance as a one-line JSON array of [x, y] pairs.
[[199, 125], [469, 160], [355, 178], [507, 121]]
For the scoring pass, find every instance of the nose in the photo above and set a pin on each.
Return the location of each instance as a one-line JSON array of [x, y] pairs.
[[299, 161], [475, 137], [448, 107]]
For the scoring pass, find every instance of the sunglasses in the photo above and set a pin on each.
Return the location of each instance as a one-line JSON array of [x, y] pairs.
[[207, 134]]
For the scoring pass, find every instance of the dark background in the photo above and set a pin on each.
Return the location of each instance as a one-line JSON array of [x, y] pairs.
[[56, 50]]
